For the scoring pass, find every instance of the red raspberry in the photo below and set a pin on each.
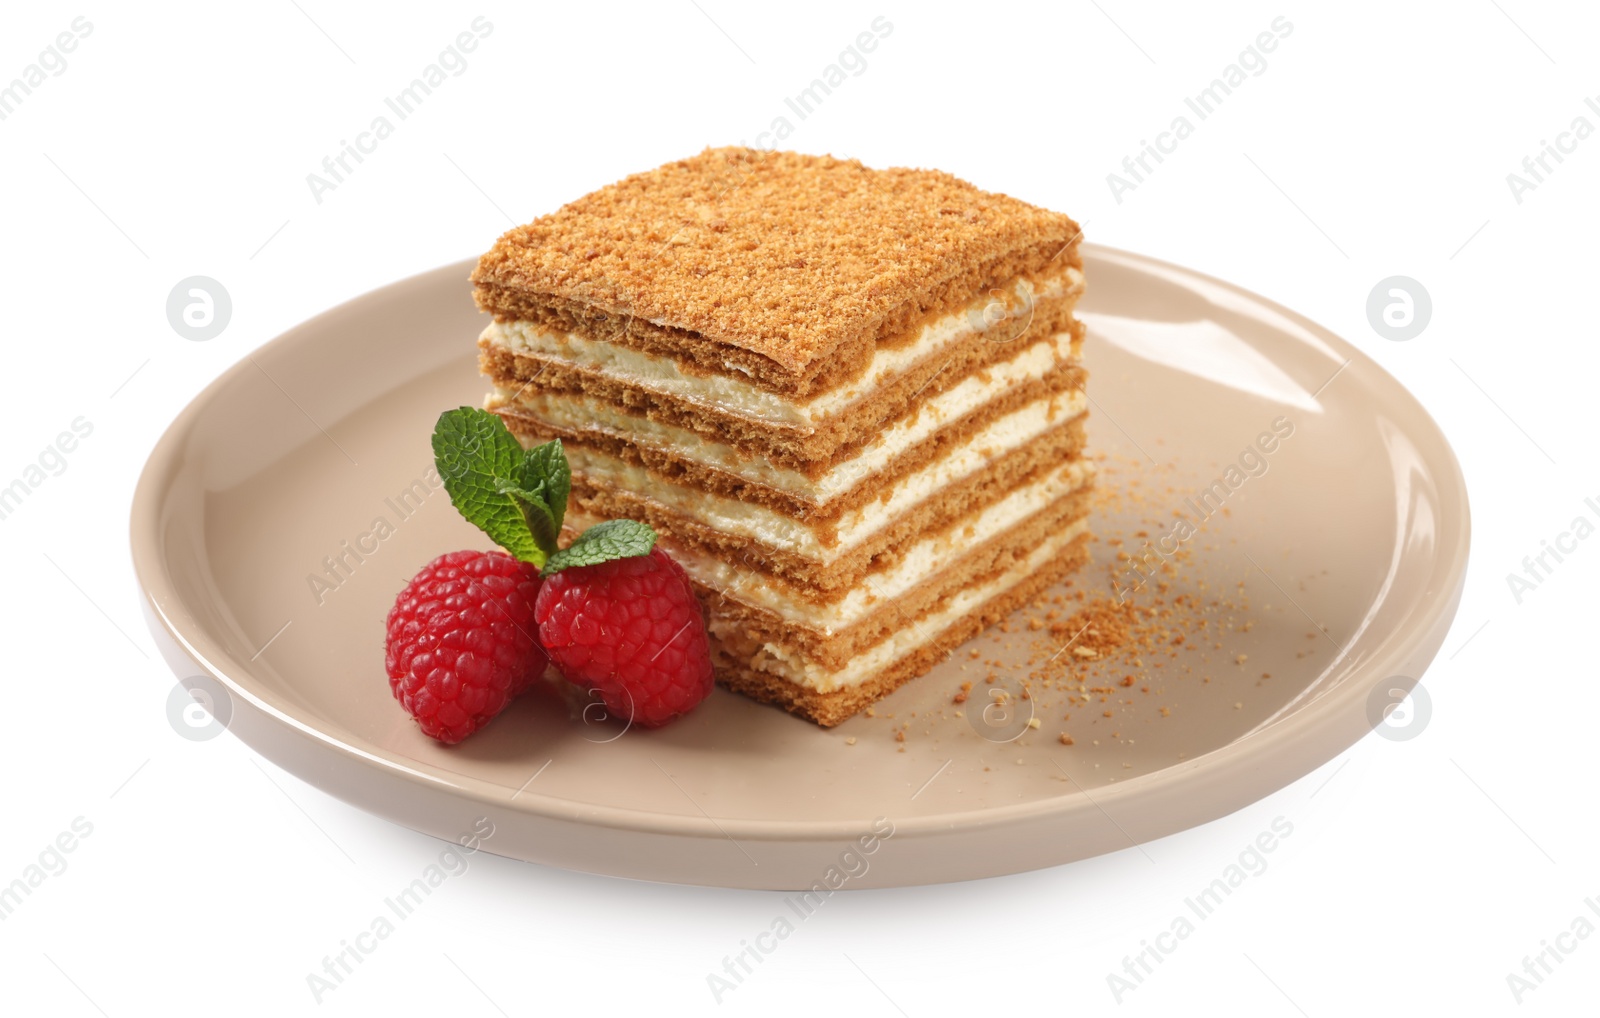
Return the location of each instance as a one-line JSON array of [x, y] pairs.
[[462, 641], [631, 630]]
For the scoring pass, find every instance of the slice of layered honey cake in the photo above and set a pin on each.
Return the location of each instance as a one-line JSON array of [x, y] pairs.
[[849, 400]]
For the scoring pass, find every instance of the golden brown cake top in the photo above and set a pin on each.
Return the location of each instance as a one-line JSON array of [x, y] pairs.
[[778, 253]]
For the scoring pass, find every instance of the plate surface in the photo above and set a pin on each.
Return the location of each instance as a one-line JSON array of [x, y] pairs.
[[286, 506]]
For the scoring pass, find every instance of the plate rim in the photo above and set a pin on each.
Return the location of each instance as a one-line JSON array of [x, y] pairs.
[[1407, 645]]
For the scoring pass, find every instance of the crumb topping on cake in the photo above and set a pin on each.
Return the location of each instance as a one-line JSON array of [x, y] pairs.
[[785, 255]]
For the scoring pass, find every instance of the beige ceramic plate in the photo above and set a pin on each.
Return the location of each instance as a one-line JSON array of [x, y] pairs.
[[314, 453]]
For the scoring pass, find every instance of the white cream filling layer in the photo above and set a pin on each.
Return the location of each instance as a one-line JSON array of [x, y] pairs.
[[735, 396], [776, 660], [920, 561], [582, 413], [775, 530]]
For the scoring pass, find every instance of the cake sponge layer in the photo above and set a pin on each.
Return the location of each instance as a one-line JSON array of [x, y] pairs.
[[784, 553], [828, 704], [812, 451], [836, 634]]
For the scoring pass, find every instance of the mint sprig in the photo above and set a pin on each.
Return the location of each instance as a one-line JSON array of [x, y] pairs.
[[519, 496], [602, 543], [477, 457], [537, 515]]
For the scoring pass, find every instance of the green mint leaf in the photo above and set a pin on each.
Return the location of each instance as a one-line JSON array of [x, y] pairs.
[[475, 454], [547, 464], [602, 543], [537, 512]]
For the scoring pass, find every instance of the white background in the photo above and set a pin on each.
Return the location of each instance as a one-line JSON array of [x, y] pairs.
[[1377, 142]]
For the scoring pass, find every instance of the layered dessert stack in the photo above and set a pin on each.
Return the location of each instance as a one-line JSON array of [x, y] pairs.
[[849, 400]]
